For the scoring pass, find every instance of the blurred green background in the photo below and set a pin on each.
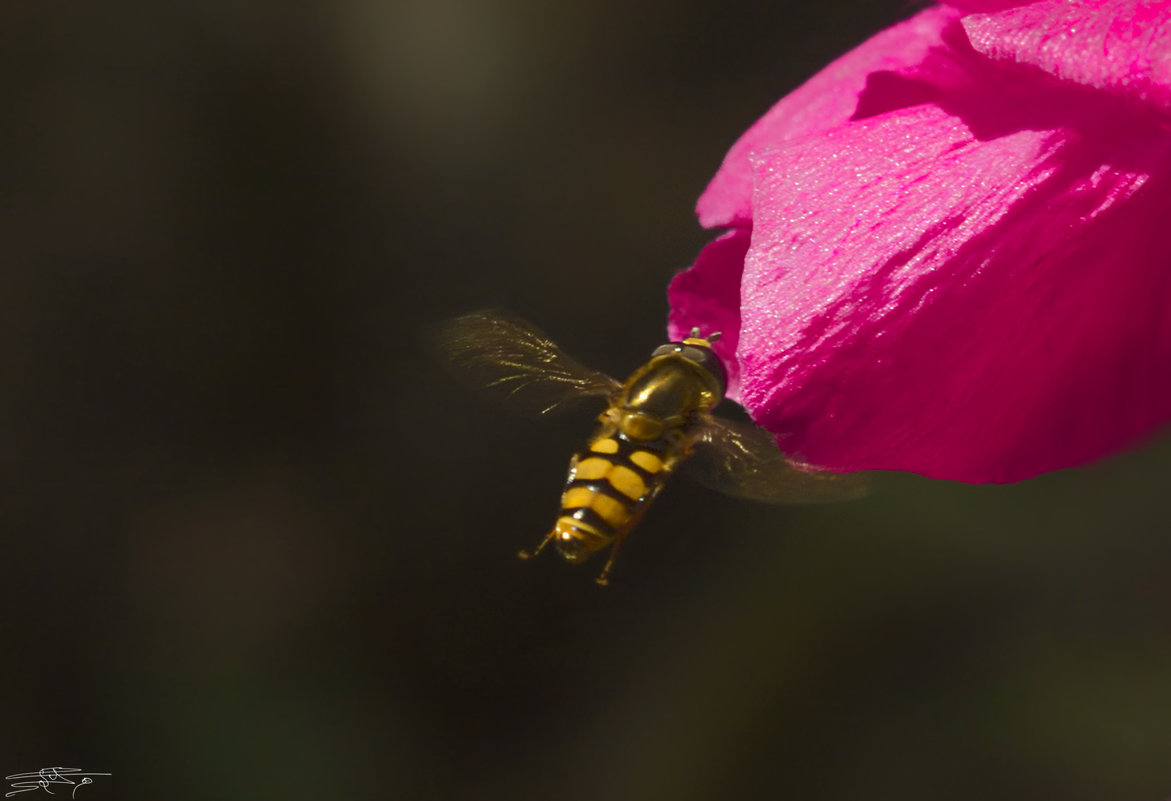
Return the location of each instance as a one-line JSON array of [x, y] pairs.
[[258, 546]]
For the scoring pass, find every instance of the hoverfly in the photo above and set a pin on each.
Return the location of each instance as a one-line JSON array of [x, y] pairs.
[[657, 422]]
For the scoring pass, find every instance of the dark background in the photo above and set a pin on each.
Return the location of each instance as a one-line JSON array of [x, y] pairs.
[[257, 546]]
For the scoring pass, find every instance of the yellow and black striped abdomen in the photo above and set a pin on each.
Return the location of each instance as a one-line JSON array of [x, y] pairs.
[[608, 489]]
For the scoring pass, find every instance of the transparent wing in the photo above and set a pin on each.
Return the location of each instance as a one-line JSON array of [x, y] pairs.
[[742, 460], [513, 361]]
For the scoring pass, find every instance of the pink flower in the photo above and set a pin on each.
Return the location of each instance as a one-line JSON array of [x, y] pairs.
[[950, 251]]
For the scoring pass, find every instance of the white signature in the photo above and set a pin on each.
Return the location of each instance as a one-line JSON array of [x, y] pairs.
[[44, 778]]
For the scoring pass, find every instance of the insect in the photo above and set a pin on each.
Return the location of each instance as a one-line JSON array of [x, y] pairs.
[[656, 423]]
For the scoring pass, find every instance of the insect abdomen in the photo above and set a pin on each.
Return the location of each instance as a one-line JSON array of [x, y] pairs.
[[608, 489]]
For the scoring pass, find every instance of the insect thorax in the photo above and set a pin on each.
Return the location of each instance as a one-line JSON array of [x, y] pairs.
[[671, 390]]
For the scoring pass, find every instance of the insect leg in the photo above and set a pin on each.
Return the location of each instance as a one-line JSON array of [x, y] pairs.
[[525, 554], [604, 577]]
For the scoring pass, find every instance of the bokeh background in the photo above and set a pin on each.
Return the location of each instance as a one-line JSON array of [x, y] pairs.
[[256, 545]]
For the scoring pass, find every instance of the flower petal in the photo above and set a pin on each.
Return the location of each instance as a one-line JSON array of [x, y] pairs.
[[985, 5], [920, 298], [708, 295], [1123, 46], [828, 99]]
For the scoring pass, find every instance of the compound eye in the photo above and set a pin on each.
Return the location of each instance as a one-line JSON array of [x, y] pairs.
[[708, 360], [664, 350]]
